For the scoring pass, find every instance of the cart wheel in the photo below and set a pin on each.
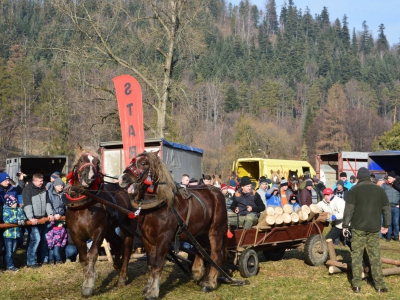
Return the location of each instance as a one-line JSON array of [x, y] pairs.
[[315, 250], [274, 254], [248, 263]]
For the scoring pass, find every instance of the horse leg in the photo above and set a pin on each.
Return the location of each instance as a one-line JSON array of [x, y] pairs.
[[89, 271], [150, 254], [198, 268], [209, 282], [126, 255], [161, 251]]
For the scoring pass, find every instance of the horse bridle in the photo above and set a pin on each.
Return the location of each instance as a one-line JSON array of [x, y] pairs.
[[137, 172]]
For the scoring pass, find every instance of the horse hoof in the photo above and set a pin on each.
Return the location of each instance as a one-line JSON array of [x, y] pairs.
[[206, 289], [122, 282], [87, 292]]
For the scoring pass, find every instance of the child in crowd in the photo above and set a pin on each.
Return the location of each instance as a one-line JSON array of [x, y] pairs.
[[56, 238], [12, 214], [293, 202]]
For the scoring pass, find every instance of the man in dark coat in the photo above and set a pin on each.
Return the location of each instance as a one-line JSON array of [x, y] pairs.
[[247, 204], [365, 204], [305, 195]]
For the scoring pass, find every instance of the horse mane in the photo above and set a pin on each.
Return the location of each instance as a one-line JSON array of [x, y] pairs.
[[90, 150], [166, 190]]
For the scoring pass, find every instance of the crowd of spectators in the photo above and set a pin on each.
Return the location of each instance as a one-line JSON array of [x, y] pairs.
[[22, 201]]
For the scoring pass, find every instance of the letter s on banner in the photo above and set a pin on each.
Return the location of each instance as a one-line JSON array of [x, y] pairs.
[[130, 108]]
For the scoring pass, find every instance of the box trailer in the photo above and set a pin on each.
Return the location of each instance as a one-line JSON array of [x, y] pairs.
[[180, 159], [31, 164], [330, 165], [384, 161], [257, 167]]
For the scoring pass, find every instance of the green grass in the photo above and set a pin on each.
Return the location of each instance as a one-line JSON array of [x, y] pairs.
[[289, 278]]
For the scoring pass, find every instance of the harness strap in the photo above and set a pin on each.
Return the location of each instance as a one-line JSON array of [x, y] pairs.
[[183, 227]]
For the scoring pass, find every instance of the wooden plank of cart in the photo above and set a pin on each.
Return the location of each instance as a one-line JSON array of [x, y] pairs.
[[273, 241]]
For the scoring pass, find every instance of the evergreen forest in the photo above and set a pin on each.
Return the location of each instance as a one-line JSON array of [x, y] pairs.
[[234, 80]]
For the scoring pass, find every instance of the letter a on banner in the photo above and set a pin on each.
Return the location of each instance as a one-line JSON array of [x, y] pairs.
[[130, 108]]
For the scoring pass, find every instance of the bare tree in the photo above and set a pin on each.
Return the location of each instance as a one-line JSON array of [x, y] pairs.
[[122, 35]]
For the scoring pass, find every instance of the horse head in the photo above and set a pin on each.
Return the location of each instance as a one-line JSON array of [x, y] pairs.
[[275, 177], [86, 170], [148, 176], [216, 181]]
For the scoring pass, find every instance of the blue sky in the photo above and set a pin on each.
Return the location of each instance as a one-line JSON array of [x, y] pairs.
[[372, 11]]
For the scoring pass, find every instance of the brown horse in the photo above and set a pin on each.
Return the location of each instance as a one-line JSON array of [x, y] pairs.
[[203, 209], [293, 181], [87, 219]]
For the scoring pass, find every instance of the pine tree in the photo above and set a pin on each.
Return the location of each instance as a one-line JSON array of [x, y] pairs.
[[345, 34], [382, 43], [365, 39], [271, 17], [231, 102]]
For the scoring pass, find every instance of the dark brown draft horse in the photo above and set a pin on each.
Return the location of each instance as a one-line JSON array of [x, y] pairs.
[[202, 208], [87, 219]]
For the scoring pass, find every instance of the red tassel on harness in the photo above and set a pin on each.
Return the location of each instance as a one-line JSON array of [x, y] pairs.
[[70, 178], [150, 189], [229, 234], [148, 180]]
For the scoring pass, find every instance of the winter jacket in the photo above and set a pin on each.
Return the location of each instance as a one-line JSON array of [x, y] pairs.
[[335, 207], [56, 200], [305, 197], [12, 216], [36, 202], [242, 200], [342, 194], [392, 194], [347, 184], [273, 200], [295, 206], [56, 237], [8, 192], [261, 192], [365, 203]]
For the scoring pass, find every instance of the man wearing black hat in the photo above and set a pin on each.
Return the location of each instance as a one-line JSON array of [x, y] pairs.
[[247, 204], [340, 190], [347, 184], [365, 204], [394, 201]]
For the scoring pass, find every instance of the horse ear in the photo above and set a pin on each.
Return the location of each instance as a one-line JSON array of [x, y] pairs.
[[79, 148], [220, 176], [296, 170], [213, 177]]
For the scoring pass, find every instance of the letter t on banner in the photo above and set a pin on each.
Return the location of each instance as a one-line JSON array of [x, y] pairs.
[[130, 108]]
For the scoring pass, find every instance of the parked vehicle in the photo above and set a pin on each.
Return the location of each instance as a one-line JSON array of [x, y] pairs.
[[180, 159], [257, 167], [31, 164], [330, 165]]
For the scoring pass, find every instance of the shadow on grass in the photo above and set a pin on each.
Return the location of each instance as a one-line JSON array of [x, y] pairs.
[[175, 279]]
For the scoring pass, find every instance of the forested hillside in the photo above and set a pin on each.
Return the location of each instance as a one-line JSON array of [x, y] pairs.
[[237, 81]]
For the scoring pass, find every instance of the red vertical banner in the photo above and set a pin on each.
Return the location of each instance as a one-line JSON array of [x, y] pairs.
[[130, 108]]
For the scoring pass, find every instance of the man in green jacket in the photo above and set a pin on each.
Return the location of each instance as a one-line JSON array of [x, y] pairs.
[[364, 205]]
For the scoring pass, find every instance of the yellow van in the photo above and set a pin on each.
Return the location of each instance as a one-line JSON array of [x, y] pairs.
[[257, 167]]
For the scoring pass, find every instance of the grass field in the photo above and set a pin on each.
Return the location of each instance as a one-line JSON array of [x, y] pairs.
[[289, 278]]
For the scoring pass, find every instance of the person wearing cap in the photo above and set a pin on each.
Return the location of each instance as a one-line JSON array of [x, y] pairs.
[[53, 177], [394, 201], [365, 204], [262, 189], [247, 204], [343, 177], [305, 195], [353, 180], [228, 197], [11, 214], [284, 192], [333, 205], [341, 191], [193, 182], [306, 178], [273, 197], [293, 202], [57, 198], [36, 206]]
